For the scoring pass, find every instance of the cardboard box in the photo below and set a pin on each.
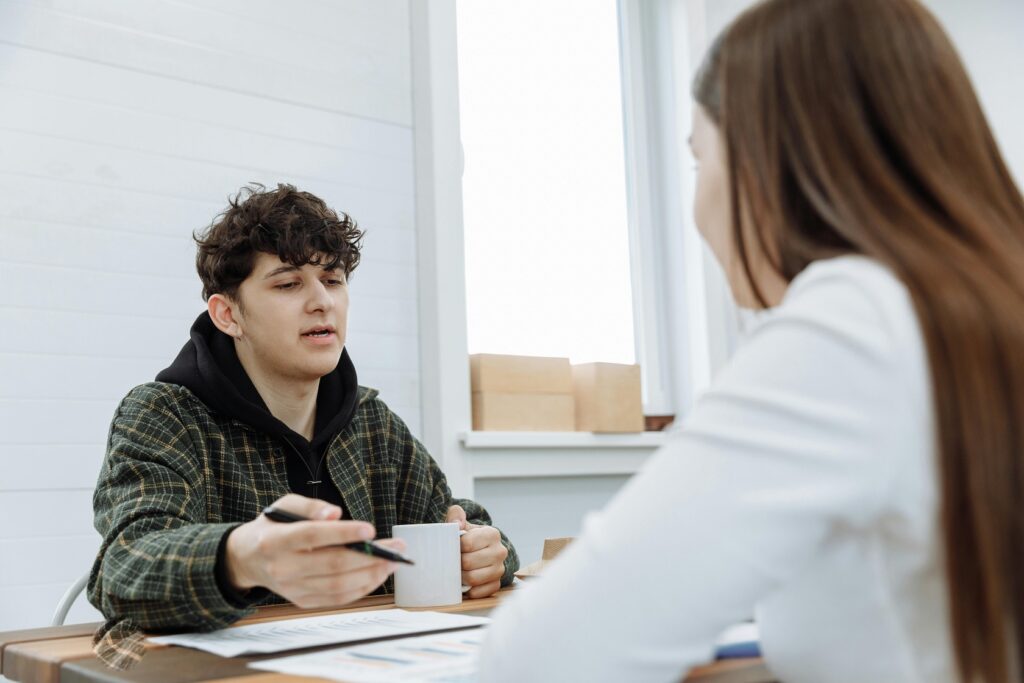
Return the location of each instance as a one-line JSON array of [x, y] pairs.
[[523, 412], [492, 373], [552, 548], [608, 397]]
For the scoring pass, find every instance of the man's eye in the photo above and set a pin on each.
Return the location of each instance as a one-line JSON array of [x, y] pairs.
[[335, 283], [287, 285]]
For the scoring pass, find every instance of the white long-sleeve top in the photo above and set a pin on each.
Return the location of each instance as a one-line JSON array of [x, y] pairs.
[[803, 486]]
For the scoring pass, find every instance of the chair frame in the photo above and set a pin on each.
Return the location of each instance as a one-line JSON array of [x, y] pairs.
[[70, 595]]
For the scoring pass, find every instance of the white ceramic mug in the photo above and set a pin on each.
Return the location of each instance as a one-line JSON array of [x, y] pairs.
[[436, 578]]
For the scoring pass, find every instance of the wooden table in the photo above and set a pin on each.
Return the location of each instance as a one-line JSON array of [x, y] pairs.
[[64, 654]]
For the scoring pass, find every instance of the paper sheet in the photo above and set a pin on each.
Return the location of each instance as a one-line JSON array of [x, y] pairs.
[[440, 658], [290, 634]]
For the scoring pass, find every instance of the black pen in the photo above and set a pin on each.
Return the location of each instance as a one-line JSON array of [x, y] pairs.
[[366, 547]]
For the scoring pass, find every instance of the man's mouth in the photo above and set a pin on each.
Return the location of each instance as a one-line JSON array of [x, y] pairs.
[[319, 332]]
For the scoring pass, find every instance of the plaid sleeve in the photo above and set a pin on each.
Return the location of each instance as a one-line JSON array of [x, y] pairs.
[[476, 514], [424, 496], [156, 567]]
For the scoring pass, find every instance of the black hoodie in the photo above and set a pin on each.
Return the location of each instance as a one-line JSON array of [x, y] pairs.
[[209, 367]]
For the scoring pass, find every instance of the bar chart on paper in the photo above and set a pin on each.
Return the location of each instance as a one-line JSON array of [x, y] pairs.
[[332, 629], [441, 658]]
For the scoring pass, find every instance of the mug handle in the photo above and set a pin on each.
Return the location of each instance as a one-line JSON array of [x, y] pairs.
[[465, 588]]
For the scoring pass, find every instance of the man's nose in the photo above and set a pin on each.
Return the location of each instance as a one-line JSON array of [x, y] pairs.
[[320, 298]]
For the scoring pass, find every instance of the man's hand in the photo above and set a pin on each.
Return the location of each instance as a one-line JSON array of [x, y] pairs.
[[293, 561], [483, 555]]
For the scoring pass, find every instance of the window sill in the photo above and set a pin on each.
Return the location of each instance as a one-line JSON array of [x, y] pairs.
[[498, 455], [551, 440]]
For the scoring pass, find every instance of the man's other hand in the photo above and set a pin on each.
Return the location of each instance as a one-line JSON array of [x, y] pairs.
[[294, 560], [483, 555]]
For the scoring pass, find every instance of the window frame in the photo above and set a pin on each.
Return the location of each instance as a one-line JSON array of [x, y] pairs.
[[684, 319]]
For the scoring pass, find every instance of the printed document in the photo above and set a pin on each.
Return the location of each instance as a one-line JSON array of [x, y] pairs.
[[291, 634], [440, 658]]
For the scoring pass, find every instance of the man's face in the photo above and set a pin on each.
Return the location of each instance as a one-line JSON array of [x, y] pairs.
[[291, 321]]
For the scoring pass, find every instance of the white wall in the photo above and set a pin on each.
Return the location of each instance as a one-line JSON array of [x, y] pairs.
[[532, 509], [989, 35], [123, 126]]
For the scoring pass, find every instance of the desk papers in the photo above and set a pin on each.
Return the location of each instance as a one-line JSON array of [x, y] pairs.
[[440, 658], [291, 634]]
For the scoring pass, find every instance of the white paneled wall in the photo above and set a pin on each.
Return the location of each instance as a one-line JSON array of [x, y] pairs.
[[989, 36], [124, 124], [530, 510]]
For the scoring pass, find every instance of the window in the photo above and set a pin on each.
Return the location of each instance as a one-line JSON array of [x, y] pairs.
[[548, 264], [576, 189]]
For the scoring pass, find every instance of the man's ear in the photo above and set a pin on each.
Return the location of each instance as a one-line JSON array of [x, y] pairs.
[[224, 311]]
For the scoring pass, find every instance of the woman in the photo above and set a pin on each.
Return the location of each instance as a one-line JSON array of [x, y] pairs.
[[855, 474]]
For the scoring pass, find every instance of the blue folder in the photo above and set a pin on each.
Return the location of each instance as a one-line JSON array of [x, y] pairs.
[[741, 640]]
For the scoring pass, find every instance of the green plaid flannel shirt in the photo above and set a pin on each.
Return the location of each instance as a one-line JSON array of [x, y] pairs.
[[177, 478]]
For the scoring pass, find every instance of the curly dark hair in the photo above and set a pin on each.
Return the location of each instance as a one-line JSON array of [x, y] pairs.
[[297, 227]]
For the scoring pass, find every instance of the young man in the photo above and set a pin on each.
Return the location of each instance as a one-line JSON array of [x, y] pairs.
[[262, 407]]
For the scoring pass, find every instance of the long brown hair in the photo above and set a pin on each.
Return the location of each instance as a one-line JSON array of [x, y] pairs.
[[851, 127]]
